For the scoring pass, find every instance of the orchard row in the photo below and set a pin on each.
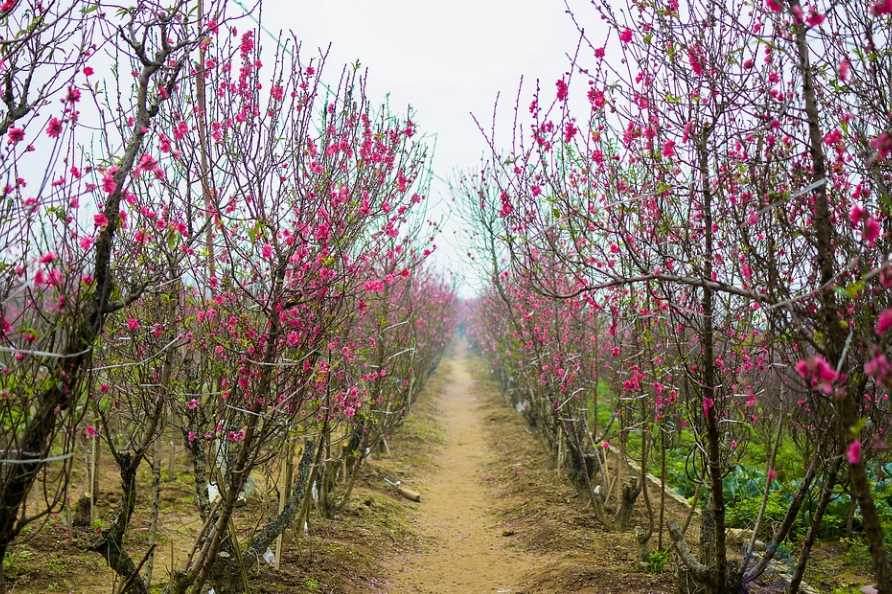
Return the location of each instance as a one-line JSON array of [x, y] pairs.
[[204, 239], [688, 251]]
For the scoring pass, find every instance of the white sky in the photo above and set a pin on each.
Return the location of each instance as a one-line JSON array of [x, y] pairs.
[[447, 59]]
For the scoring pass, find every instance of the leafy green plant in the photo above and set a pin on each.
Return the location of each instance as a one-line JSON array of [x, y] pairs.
[[857, 555], [656, 561], [742, 513], [12, 559], [846, 590]]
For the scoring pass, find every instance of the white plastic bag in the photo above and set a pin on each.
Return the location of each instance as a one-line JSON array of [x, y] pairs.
[[213, 492], [269, 557]]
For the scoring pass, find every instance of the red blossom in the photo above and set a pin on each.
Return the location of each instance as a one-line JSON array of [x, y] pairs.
[[54, 127], [15, 135], [562, 89]]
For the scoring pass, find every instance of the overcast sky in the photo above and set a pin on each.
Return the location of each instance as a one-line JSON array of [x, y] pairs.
[[447, 59]]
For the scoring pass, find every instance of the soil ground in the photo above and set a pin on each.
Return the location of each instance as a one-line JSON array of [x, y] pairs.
[[495, 516], [466, 549]]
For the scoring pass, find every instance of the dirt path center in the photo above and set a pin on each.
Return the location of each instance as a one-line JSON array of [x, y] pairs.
[[465, 549]]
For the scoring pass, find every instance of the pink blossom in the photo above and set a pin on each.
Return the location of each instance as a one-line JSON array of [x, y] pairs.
[[882, 144], [881, 7], [824, 371], [192, 404], [773, 5], [74, 95], [507, 208], [694, 61], [853, 452], [708, 404], [884, 322], [626, 35], [133, 324], [832, 137], [772, 475], [844, 67], [247, 44], [570, 131], [100, 220], [818, 371], [668, 149], [878, 367], [54, 127], [856, 215], [15, 135], [871, 230], [88, 71], [596, 97], [91, 432], [815, 19], [109, 184], [374, 286], [148, 164], [562, 89], [180, 130]]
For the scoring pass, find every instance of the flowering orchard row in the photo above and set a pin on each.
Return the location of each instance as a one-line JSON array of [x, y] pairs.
[[703, 248], [200, 239]]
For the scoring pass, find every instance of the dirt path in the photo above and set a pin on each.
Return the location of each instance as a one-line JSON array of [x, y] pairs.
[[466, 550]]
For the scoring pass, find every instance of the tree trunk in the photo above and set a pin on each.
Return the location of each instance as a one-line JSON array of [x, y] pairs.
[[629, 494]]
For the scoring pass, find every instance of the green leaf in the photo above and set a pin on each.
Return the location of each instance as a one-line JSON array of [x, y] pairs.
[[854, 289], [172, 240]]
